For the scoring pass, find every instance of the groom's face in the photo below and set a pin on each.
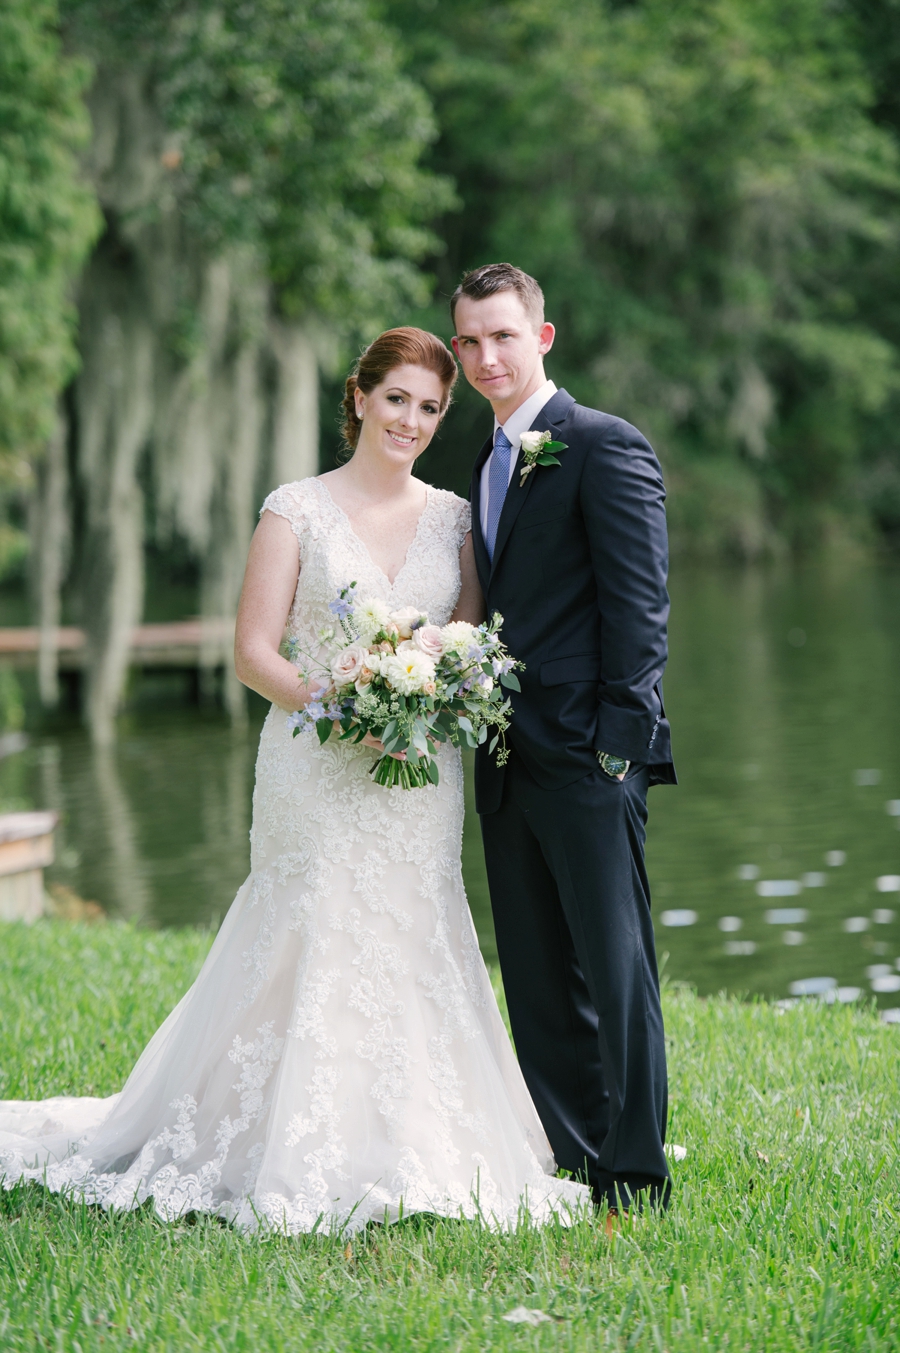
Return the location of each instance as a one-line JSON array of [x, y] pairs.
[[500, 349]]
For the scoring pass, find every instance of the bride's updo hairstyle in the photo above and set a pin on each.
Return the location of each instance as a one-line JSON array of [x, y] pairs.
[[406, 346]]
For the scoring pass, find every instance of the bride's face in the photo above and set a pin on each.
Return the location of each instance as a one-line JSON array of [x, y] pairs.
[[400, 416]]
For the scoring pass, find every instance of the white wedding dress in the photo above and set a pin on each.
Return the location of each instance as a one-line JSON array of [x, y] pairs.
[[340, 1057]]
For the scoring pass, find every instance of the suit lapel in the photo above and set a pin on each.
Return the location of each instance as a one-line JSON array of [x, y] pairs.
[[551, 416], [482, 559]]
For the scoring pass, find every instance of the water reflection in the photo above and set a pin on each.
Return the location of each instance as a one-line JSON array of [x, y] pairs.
[[116, 820], [156, 828], [775, 864], [782, 837]]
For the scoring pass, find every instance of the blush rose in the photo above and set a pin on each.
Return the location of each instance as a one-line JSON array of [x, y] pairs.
[[348, 664], [428, 640]]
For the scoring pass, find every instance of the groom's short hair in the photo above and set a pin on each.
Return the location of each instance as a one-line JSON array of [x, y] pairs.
[[494, 277]]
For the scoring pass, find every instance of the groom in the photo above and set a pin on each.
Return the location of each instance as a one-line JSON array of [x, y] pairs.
[[574, 557]]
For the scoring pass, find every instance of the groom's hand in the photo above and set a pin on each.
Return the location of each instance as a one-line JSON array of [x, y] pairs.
[[614, 766]]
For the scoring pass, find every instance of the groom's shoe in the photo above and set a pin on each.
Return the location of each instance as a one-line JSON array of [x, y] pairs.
[[615, 1221], [622, 1199]]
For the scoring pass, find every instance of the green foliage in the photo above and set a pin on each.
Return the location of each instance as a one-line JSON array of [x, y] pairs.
[[706, 200], [12, 707], [708, 191], [48, 219], [782, 1232], [14, 547], [874, 27], [291, 128]]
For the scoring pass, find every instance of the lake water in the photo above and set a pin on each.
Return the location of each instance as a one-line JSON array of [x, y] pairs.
[[776, 861]]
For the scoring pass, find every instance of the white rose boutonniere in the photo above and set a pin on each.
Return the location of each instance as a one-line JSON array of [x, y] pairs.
[[538, 448]]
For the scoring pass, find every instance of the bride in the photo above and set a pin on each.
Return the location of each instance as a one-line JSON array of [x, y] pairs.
[[340, 1057]]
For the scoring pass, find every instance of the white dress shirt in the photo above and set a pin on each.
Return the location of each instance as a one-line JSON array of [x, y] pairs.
[[515, 425]]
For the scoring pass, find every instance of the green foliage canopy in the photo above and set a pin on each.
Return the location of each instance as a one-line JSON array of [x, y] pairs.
[[705, 197], [48, 219], [293, 129], [708, 191]]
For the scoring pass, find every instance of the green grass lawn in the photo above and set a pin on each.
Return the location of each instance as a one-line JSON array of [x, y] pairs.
[[783, 1231]]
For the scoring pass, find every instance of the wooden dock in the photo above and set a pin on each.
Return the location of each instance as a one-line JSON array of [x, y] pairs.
[[179, 644]]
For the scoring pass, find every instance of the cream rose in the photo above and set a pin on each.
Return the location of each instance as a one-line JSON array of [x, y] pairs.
[[428, 640], [409, 672], [404, 619], [347, 666]]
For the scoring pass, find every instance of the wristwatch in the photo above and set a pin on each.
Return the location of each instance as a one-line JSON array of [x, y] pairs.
[[613, 765]]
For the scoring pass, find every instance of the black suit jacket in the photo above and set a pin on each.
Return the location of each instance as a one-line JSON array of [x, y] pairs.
[[579, 576]]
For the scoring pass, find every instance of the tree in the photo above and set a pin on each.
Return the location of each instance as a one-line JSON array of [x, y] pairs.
[[292, 129], [874, 27], [705, 198], [48, 220], [258, 169]]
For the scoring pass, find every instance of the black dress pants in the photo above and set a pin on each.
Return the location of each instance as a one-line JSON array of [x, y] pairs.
[[572, 916]]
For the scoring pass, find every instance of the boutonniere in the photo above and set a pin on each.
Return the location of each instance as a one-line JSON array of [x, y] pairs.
[[538, 448]]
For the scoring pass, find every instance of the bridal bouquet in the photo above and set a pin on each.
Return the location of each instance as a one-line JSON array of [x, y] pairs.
[[410, 684]]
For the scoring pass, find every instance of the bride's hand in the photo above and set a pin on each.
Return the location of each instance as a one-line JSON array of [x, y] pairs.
[[378, 745]]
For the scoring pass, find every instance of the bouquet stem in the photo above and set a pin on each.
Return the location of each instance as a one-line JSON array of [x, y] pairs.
[[392, 772]]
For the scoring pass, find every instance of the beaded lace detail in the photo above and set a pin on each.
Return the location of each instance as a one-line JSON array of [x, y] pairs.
[[341, 1056]]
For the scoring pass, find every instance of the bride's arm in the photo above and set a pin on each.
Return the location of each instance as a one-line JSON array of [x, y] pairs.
[[270, 581], [470, 605]]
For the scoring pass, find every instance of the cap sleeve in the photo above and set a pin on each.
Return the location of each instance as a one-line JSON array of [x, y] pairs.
[[463, 520], [290, 501]]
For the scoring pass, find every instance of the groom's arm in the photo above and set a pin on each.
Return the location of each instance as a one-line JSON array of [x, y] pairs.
[[622, 501]]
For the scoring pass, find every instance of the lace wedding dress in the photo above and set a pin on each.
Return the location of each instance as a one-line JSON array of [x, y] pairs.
[[341, 1056]]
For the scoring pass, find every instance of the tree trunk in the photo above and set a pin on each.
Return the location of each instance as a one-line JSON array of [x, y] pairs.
[[49, 533], [114, 400], [295, 449], [189, 384]]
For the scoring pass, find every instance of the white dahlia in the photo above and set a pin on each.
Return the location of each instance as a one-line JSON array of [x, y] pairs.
[[369, 617], [458, 637], [408, 672]]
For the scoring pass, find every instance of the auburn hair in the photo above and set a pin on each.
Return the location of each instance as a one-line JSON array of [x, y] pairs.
[[406, 346]]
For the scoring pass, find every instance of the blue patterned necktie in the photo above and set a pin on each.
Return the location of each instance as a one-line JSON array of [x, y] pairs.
[[498, 483]]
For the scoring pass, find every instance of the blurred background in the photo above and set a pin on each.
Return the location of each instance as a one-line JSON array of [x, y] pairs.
[[207, 207]]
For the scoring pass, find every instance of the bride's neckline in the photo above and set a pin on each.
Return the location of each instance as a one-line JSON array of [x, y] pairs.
[[392, 582]]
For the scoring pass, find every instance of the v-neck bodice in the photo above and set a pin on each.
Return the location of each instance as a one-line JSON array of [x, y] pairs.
[[332, 556], [392, 582]]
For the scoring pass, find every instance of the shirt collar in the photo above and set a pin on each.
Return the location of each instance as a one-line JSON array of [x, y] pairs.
[[525, 414]]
